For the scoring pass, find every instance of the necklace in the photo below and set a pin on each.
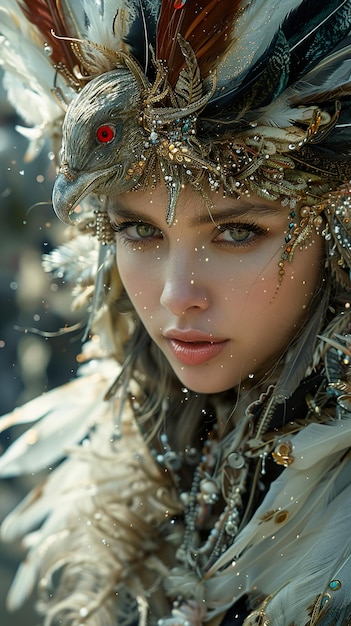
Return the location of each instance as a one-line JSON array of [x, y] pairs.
[[223, 495], [217, 504]]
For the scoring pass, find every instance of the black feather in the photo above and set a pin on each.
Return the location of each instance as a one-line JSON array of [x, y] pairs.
[[313, 32], [267, 79], [142, 36]]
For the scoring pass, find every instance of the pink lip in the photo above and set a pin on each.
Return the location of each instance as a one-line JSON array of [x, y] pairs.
[[194, 347]]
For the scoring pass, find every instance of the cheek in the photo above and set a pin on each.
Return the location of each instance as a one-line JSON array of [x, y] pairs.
[[249, 286], [136, 278], [259, 301], [291, 303]]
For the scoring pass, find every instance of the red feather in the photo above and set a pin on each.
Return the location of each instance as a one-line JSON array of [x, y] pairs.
[[206, 25], [47, 16]]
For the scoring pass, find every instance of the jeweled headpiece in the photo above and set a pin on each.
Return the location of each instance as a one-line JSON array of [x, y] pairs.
[[244, 96]]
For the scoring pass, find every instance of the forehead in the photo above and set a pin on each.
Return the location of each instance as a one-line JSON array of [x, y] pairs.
[[193, 205]]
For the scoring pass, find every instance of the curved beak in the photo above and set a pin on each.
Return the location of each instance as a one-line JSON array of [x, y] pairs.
[[67, 194]]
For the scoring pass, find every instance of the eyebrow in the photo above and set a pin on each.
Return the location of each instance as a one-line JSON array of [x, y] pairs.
[[205, 218], [236, 212]]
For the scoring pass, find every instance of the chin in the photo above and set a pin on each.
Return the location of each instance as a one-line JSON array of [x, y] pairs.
[[204, 384]]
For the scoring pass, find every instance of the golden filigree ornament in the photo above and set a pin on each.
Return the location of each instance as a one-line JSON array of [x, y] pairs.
[[299, 235]]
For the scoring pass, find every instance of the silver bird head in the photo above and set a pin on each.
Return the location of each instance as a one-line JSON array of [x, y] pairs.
[[101, 141]]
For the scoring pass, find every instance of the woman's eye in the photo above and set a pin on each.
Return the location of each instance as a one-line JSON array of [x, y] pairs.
[[237, 234], [136, 231], [144, 230]]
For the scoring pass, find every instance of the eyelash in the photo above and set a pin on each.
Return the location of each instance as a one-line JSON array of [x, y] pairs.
[[252, 228], [132, 241]]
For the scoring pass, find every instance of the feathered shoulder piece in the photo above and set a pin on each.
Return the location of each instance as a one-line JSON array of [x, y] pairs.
[[102, 509]]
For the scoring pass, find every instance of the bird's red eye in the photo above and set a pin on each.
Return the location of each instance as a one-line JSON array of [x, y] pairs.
[[105, 133]]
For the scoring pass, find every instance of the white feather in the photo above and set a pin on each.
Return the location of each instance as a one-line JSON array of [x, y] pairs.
[[63, 416], [97, 524], [326, 557], [255, 29], [29, 76], [266, 555]]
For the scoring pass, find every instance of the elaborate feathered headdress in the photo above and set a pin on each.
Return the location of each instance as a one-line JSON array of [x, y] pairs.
[[247, 95], [240, 96]]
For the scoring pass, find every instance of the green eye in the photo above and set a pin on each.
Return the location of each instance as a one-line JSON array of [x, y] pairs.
[[239, 234], [145, 230]]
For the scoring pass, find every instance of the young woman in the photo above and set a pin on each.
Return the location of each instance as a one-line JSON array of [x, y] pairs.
[[203, 455]]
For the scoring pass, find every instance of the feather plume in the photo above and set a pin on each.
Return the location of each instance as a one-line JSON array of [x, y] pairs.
[[30, 76], [313, 32], [313, 501], [255, 29], [206, 27], [322, 564], [112, 513], [63, 417], [45, 15]]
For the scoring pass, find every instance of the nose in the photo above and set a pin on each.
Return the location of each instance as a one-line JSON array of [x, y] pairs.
[[185, 286]]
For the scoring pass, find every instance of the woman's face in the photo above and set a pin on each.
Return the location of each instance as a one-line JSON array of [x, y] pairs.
[[206, 288]]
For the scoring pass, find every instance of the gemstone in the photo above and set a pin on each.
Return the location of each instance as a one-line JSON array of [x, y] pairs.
[[334, 585]]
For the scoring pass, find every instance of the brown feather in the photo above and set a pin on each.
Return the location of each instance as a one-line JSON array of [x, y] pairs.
[[206, 26], [47, 16]]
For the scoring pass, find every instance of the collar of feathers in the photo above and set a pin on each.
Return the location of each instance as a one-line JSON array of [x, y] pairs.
[[102, 530]]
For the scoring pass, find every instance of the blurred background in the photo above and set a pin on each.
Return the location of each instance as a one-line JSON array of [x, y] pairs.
[[32, 305]]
